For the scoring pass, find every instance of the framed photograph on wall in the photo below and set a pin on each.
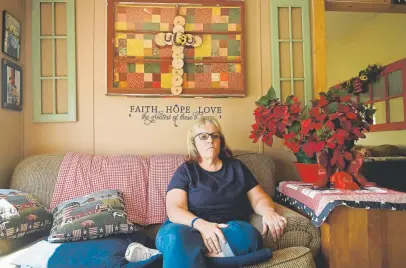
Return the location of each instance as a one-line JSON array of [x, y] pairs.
[[11, 35], [12, 86]]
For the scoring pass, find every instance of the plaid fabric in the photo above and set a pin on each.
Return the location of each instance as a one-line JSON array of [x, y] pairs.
[[161, 170], [82, 174]]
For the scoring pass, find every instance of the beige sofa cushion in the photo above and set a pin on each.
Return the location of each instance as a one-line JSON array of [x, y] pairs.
[[263, 169], [37, 175], [293, 257]]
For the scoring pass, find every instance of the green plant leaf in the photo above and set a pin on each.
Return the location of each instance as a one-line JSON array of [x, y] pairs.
[[324, 94], [303, 158], [305, 113], [289, 100], [295, 127], [262, 101], [320, 132], [343, 93], [332, 107], [271, 94], [370, 111]]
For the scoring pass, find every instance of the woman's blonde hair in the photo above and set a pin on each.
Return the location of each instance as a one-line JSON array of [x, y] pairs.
[[193, 153]]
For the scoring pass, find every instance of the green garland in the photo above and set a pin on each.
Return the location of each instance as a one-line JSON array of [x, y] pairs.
[[357, 85]]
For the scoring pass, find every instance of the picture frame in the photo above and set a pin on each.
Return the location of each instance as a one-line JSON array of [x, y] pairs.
[[12, 86], [11, 38], [144, 59]]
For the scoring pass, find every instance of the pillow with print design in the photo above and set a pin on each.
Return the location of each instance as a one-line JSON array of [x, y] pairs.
[[22, 219], [92, 216]]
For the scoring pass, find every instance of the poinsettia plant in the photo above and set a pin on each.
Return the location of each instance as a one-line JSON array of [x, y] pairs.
[[331, 124]]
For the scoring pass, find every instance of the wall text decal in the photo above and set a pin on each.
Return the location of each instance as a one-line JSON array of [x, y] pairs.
[[151, 114]]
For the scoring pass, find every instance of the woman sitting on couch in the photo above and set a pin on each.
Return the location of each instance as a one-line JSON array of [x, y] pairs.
[[209, 200]]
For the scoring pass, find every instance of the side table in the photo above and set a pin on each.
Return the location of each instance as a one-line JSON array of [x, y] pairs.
[[359, 229]]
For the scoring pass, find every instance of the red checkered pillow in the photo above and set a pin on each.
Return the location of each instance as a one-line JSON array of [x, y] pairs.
[[161, 169]]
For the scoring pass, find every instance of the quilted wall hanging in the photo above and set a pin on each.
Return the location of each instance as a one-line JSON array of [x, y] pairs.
[[175, 48]]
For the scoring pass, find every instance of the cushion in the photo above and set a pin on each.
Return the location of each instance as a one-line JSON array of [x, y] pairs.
[[292, 257], [22, 217], [91, 216]]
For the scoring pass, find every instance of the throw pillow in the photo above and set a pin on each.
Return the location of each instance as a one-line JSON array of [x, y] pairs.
[[91, 216], [22, 219]]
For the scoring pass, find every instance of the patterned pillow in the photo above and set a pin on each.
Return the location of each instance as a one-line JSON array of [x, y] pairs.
[[91, 216], [21, 214]]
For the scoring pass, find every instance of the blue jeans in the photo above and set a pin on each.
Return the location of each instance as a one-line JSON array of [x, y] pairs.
[[183, 247]]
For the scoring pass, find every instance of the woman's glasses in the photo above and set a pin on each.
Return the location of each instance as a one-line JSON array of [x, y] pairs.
[[204, 136]]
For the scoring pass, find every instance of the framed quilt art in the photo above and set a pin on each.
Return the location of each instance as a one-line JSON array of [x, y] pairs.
[[176, 48]]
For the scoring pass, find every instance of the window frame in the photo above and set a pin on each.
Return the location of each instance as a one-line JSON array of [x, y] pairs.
[[37, 77], [306, 41], [390, 68]]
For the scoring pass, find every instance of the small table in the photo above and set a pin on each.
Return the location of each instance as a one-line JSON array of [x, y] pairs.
[[358, 228]]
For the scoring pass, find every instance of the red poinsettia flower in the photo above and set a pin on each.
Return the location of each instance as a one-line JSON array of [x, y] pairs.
[[331, 144], [289, 136], [295, 108], [271, 126], [336, 138], [358, 133], [346, 124], [294, 146], [316, 125], [342, 108], [280, 111], [281, 126], [334, 116], [312, 147], [345, 98], [348, 156], [351, 115], [323, 101], [330, 125], [316, 113], [256, 132], [342, 133], [258, 110], [268, 139], [305, 126]]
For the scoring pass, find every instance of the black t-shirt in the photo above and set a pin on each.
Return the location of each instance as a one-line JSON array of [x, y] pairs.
[[218, 196]]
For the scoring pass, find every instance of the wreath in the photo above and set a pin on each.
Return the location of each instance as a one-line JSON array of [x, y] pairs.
[[359, 84]]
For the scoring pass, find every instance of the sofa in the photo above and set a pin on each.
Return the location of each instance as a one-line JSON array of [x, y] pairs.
[[298, 247]]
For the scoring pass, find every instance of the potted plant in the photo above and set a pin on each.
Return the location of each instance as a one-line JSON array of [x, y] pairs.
[[321, 134]]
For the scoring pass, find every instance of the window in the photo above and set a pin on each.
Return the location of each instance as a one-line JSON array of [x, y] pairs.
[[291, 51], [388, 96], [146, 57], [53, 60]]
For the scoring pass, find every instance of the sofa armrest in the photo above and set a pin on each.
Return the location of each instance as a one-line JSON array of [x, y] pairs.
[[298, 232]]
